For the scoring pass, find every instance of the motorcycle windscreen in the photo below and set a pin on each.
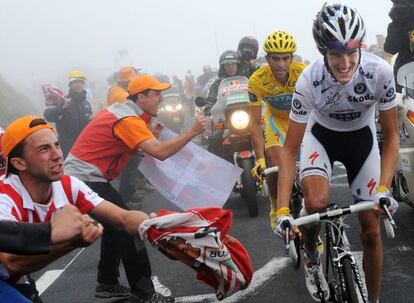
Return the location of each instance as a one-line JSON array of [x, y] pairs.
[[231, 90], [405, 75]]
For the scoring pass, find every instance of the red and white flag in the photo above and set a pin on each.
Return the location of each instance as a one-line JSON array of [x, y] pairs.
[[199, 239]]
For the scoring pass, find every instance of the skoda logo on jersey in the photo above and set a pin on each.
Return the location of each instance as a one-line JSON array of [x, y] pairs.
[[296, 104], [360, 88], [390, 92], [297, 108]]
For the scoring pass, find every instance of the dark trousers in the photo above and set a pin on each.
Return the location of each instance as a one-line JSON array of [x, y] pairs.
[[117, 245], [130, 178]]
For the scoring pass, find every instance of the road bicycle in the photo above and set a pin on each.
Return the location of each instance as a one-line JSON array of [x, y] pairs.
[[341, 270]]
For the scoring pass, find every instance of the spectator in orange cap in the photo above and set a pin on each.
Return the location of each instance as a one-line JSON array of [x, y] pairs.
[[119, 92], [101, 154]]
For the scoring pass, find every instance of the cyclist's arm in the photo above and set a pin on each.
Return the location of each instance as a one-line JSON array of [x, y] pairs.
[[287, 168], [389, 128], [256, 132]]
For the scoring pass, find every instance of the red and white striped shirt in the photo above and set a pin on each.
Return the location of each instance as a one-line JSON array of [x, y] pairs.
[[17, 205]]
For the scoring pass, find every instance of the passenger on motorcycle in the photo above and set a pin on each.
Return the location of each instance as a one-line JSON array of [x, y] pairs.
[[247, 49], [333, 110], [229, 66], [203, 79], [274, 85]]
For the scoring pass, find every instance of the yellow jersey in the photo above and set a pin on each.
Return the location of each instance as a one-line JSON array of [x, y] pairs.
[[278, 97]]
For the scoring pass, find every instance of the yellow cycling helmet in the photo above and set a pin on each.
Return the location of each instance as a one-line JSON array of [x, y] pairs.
[[279, 42]]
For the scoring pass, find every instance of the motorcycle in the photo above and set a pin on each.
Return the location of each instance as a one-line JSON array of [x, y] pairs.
[[403, 181], [229, 134], [171, 111]]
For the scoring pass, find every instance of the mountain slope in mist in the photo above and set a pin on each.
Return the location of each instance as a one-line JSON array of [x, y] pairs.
[[14, 104]]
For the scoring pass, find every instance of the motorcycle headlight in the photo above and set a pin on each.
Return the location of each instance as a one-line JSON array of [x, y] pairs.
[[168, 108], [240, 119], [179, 107]]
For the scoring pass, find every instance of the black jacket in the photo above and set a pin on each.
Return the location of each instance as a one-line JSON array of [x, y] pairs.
[[24, 238], [70, 121], [397, 40]]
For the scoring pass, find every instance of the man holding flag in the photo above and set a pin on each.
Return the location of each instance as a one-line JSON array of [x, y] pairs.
[[99, 156]]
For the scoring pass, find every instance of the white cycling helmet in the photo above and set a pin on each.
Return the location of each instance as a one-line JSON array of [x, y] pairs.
[[338, 27]]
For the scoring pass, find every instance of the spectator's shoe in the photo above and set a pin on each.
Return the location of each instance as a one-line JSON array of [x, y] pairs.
[[111, 290], [314, 276], [154, 298]]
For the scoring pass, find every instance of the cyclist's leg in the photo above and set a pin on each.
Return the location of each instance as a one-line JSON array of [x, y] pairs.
[[275, 133], [315, 171], [364, 176]]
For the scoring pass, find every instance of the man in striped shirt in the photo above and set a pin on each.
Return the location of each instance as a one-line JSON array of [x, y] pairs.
[[34, 189]]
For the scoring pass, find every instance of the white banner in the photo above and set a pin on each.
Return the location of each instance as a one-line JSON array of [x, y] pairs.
[[193, 177]]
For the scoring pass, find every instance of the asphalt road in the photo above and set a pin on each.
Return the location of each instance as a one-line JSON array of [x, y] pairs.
[[275, 279]]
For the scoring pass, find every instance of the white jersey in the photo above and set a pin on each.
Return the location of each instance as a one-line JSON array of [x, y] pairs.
[[319, 97]]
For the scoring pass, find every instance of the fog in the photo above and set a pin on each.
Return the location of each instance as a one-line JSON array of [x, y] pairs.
[[42, 40]]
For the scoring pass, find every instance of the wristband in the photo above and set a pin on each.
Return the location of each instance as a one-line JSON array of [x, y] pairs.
[[283, 211], [382, 189]]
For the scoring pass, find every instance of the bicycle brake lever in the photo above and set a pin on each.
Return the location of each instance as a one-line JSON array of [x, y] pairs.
[[384, 205]]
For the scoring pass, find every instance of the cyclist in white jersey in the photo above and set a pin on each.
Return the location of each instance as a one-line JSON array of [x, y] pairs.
[[333, 110]]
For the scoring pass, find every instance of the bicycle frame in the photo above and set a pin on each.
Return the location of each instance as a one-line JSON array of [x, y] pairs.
[[337, 248]]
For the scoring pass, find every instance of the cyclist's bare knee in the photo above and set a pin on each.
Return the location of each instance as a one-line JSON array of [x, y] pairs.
[[317, 202], [371, 238]]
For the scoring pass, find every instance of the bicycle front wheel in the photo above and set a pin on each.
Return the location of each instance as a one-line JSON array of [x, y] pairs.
[[350, 292]]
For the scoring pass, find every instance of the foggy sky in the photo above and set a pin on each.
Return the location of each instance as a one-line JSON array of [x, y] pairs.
[[41, 40]]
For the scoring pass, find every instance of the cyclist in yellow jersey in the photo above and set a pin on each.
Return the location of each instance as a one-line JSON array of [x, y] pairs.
[[273, 84]]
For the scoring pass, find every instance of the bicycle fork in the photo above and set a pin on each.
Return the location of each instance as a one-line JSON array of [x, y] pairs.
[[355, 271]]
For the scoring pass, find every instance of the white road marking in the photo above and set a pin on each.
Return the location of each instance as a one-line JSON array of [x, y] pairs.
[[404, 248], [160, 288], [51, 276], [260, 278]]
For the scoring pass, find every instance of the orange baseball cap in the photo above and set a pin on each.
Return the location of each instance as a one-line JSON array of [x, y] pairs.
[[19, 129], [143, 82], [127, 73]]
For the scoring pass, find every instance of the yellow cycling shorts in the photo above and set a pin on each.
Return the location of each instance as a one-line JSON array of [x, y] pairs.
[[275, 130]]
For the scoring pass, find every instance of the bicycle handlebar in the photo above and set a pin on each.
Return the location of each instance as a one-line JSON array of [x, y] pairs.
[[332, 213], [270, 170], [338, 212]]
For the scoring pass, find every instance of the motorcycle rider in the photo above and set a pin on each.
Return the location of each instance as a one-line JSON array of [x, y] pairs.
[[229, 66], [248, 48], [273, 84], [333, 110]]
